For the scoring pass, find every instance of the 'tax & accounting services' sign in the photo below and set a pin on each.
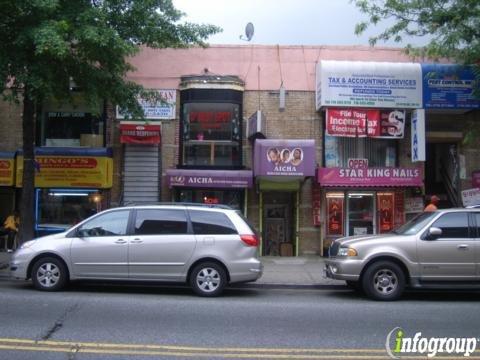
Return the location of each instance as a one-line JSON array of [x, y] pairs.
[[351, 122], [418, 135], [160, 110], [368, 84], [449, 86], [75, 170]]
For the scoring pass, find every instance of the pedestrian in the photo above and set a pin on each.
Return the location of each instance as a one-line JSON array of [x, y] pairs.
[[10, 228], [433, 205]]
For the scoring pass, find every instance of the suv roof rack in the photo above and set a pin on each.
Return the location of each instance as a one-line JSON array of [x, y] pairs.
[[179, 203]]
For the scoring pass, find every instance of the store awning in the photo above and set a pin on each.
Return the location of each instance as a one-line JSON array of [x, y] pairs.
[[140, 134], [284, 159], [224, 179], [370, 177], [7, 165]]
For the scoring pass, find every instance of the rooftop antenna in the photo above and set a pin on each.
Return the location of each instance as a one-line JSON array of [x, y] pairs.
[[249, 30]]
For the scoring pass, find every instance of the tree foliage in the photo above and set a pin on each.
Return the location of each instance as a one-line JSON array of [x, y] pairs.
[[47, 45], [451, 27]]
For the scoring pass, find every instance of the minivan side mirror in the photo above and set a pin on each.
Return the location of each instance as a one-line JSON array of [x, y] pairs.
[[434, 233]]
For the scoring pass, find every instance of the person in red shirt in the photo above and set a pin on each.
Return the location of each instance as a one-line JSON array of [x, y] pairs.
[[433, 205]]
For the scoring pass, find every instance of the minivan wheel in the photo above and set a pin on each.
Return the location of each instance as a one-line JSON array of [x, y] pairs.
[[208, 279], [383, 280], [49, 274]]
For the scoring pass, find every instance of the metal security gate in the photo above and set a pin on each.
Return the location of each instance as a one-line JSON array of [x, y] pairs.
[[142, 171]]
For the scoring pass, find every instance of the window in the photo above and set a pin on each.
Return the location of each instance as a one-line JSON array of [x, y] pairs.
[[378, 152], [211, 134], [453, 225], [62, 208], [109, 224], [72, 129], [232, 198], [211, 223], [160, 222]]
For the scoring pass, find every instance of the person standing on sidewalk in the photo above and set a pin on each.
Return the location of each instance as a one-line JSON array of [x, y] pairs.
[[10, 227], [433, 205]]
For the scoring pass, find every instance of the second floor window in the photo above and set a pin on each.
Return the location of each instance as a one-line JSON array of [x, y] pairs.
[[211, 134]]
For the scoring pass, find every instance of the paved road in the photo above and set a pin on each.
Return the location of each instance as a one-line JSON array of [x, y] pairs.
[[99, 321]]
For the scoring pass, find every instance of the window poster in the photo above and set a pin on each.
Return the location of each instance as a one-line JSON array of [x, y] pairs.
[[385, 212], [335, 216]]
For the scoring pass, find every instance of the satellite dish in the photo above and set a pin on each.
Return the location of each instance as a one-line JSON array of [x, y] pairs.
[[249, 30]]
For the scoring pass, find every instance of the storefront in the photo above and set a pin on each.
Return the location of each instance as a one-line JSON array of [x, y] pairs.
[[7, 184], [227, 187], [367, 177], [280, 168], [70, 185], [361, 201], [142, 149]]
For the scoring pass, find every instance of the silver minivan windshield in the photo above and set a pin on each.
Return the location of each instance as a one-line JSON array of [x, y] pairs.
[[416, 224]]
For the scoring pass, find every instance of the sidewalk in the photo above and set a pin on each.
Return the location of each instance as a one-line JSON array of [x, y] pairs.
[[289, 272]]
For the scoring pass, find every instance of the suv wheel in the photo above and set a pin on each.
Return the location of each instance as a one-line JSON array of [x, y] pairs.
[[208, 279], [49, 274], [383, 280]]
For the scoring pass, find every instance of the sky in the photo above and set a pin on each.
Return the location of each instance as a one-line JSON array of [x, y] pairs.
[[283, 22]]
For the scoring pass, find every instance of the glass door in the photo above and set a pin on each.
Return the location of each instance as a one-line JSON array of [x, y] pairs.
[[360, 213]]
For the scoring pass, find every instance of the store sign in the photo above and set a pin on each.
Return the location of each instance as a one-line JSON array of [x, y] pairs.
[[387, 124], [418, 135], [335, 216], [139, 134], [476, 179], [471, 197], [69, 171], [284, 157], [209, 178], [160, 110], [414, 205], [385, 205], [358, 163], [7, 166], [368, 84], [370, 177], [448, 86]]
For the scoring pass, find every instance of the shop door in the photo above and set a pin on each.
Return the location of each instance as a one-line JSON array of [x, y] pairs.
[[360, 213], [275, 229]]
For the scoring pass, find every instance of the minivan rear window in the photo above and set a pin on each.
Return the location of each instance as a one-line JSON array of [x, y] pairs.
[[211, 223], [160, 222]]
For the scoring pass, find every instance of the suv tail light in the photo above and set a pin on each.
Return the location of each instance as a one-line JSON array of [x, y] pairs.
[[250, 240]]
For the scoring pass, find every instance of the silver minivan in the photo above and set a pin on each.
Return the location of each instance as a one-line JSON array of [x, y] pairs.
[[207, 247]]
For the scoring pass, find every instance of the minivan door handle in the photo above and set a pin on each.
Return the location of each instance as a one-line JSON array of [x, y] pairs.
[[136, 241], [120, 241], [462, 247]]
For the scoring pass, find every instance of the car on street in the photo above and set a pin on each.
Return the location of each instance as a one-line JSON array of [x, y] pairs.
[[207, 247], [439, 249]]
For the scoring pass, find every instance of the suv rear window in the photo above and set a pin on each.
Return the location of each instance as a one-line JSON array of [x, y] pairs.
[[211, 223]]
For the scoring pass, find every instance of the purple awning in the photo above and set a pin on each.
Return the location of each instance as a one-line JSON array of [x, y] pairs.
[[225, 179]]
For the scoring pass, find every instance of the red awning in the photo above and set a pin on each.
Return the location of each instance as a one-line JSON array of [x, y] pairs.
[[139, 134]]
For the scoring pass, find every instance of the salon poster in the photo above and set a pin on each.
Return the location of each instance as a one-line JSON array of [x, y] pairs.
[[335, 216], [385, 212]]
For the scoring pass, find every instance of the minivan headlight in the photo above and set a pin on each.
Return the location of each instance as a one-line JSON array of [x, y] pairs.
[[347, 251], [27, 244]]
